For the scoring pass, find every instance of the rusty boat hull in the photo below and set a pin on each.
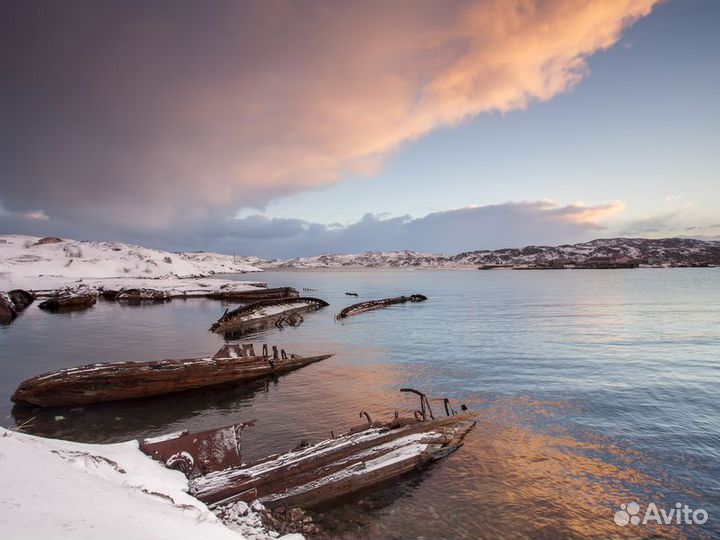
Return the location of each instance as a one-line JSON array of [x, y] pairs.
[[264, 313], [96, 383], [363, 458]]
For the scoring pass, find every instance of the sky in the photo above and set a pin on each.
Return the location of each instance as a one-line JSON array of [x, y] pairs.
[[281, 129]]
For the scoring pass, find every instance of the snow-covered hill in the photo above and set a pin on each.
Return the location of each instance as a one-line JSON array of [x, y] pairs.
[[668, 251], [28, 262], [367, 259], [31, 256]]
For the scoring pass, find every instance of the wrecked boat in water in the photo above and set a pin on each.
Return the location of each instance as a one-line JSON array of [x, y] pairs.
[[371, 305], [264, 313], [311, 474], [256, 295], [96, 383], [69, 302]]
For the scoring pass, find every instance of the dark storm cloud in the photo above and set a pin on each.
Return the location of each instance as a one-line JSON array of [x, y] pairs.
[[140, 117]]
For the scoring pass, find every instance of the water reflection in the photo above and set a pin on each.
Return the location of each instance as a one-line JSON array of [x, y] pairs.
[[594, 388]]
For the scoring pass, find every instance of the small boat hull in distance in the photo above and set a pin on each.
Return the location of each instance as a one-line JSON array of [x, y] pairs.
[[266, 313], [96, 383], [372, 305], [256, 295]]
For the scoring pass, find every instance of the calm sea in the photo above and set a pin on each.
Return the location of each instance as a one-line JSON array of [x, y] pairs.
[[594, 389]]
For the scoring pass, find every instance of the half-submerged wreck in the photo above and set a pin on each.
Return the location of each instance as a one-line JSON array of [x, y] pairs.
[[95, 383], [266, 313], [371, 305], [312, 474], [69, 301], [255, 295]]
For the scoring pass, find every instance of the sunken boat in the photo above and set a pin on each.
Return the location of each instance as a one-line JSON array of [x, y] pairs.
[[95, 383], [69, 301], [263, 313], [368, 455], [372, 305], [255, 295]]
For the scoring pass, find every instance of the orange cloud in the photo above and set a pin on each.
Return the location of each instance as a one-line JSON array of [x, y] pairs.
[[590, 215], [246, 102]]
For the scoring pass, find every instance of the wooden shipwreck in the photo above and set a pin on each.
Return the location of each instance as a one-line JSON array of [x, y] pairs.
[[312, 474], [371, 305], [94, 383], [265, 313], [69, 302], [255, 295]]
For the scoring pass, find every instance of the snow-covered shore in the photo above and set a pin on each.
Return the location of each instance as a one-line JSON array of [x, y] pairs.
[[58, 489], [28, 263]]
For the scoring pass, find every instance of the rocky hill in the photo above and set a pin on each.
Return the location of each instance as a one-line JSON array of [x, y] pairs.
[[666, 251]]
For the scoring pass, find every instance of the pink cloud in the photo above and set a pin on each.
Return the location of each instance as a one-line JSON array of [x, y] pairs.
[[161, 122]]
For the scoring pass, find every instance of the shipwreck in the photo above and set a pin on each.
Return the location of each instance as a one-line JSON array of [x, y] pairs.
[[367, 455], [257, 315], [95, 383], [256, 295], [371, 305], [69, 301]]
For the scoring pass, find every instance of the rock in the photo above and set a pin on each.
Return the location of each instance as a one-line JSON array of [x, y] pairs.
[[241, 508], [48, 240], [296, 514], [21, 298], [7, 309]]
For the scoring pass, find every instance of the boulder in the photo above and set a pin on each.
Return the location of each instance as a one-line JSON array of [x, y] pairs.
[[21, 298], [48, 240], [7, 309]]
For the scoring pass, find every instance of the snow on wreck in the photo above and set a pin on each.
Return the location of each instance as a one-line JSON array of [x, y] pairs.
[[257, 315]]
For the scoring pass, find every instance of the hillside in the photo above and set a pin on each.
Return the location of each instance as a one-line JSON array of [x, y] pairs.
[[666, 251], [29, 262]]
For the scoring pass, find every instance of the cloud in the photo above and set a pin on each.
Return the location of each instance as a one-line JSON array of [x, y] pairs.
[[142, 118], [36, 214], [511, 224]]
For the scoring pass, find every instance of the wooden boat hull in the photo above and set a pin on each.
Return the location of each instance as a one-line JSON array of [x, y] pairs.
[[372, 305], [97, 383], [265, 313], [256, 295], [337, 467]]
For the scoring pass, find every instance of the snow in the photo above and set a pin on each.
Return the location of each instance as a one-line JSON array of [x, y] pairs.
[[667, 250], [268, 311], [58, 489], [25, 264]]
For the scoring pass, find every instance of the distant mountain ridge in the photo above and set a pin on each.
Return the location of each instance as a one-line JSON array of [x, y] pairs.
[[661, 252]]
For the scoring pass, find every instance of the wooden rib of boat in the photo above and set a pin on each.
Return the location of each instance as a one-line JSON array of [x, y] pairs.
[[315, 474], [256, 295], [371, 305], [96, 383], [267, 312]]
